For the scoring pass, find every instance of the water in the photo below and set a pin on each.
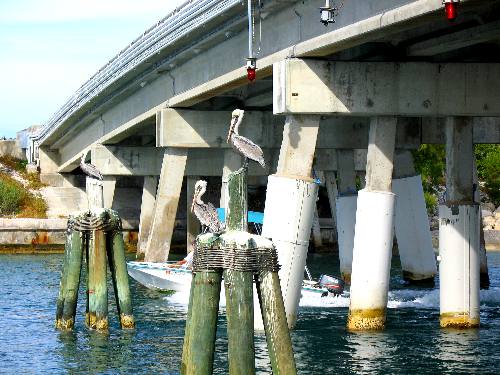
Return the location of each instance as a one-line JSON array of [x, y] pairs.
[[413, 343]]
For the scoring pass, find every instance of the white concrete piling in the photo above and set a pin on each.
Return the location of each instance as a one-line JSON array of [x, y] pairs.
[[459, 236], [374, 231], [459, 266], [346, 210], [418, 262], [288, 216], [346, 221]]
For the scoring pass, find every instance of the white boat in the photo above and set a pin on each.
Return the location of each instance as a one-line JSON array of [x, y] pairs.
[[160, 276], [171, 276]]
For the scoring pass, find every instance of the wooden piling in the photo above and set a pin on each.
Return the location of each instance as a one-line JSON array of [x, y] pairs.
[[97, 288], [118, 267], [239, 285], [279, 343], [240, 330], [70, 281], [201, 324]]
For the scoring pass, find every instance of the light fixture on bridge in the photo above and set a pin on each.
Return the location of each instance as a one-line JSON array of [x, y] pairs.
[[450, 8], [327, 13], [251, 68]]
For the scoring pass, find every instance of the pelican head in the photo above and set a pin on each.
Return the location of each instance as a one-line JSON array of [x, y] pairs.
[[236, 118], [199, 189]]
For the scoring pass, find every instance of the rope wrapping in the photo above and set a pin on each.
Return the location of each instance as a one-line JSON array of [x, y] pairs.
[[217, 257], [106, 220]]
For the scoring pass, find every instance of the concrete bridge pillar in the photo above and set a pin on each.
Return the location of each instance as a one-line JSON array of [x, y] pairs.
[[290, 204], [192, 223], [167, 200], [147, 210], [459, 238], [346, 210], [374, 231], [413, 234]]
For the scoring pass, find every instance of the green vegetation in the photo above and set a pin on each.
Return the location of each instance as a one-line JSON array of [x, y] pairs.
[[488, 170], [20, 167], [10, 197], [16, 200], [430, 162]]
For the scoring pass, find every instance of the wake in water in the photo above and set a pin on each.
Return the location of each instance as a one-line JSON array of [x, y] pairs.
[[400, 298]]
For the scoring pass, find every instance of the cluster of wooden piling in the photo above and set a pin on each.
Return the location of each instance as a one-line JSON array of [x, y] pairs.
[[239, 258], [97, 235]]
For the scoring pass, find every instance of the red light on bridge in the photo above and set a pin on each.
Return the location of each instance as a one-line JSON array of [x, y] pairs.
[[251, 74], [450, 9]]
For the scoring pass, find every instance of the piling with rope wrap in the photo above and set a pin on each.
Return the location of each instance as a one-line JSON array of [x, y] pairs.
[[70, 281], [118, 267], [201, 325], [238, 285], [239, 255], [98, 232]]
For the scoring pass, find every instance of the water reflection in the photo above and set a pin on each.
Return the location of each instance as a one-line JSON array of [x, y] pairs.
[[457, 350], [369, 351]]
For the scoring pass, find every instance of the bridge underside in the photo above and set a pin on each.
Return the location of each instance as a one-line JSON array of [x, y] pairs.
[[351, 99]]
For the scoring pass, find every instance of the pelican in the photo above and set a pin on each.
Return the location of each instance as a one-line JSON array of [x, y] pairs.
[[205, 212], [89, 169], [241, 144]]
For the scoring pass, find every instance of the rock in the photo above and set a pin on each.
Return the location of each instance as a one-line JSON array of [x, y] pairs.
[[31, 168], [486, 213], [497, 211], [488, 206], [489, 222]]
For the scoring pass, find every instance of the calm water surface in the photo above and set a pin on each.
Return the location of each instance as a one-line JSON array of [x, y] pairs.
[[413, 343]]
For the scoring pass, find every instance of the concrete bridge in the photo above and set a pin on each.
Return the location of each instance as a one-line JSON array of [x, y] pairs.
[[357, 95]]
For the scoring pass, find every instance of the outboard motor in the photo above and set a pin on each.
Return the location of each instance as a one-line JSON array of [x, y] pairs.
[[332, 284]]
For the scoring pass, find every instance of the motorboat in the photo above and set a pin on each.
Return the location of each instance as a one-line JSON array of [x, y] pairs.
[[172, 276]]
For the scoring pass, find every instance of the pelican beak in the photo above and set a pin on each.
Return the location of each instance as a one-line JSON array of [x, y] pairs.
[[234, 120], [192, 203]]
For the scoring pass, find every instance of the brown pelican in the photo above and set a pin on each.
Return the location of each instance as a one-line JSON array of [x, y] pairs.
[[89, 169], [241, 144], [205, 212]]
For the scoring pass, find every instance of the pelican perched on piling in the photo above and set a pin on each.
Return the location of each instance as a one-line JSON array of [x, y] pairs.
[[205, 212], [89, 169], [241, 144]]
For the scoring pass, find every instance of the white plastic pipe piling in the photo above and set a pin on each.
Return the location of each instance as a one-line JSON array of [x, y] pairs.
[[459, 265], [346, 220], [371, 260], [418, 261], [288, 215]]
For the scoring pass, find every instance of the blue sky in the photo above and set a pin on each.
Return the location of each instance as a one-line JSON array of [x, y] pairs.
[[49, 48]]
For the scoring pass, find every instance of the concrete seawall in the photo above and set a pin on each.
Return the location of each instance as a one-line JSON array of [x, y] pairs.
[[47, 235]]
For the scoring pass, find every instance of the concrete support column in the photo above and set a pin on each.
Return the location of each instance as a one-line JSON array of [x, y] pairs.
[[290, 204], [192, 223], [232, 162], [108, 185], [484, 277], [416, 253], [167, 200], [374, 231], [147, 210], [346, 210], [459, 238]]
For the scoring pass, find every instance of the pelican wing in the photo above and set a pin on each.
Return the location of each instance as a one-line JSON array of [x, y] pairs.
[[207, 215], [91, 171], [248, 149]]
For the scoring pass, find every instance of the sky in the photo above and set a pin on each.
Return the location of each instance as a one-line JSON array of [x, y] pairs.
[[49, 48]]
